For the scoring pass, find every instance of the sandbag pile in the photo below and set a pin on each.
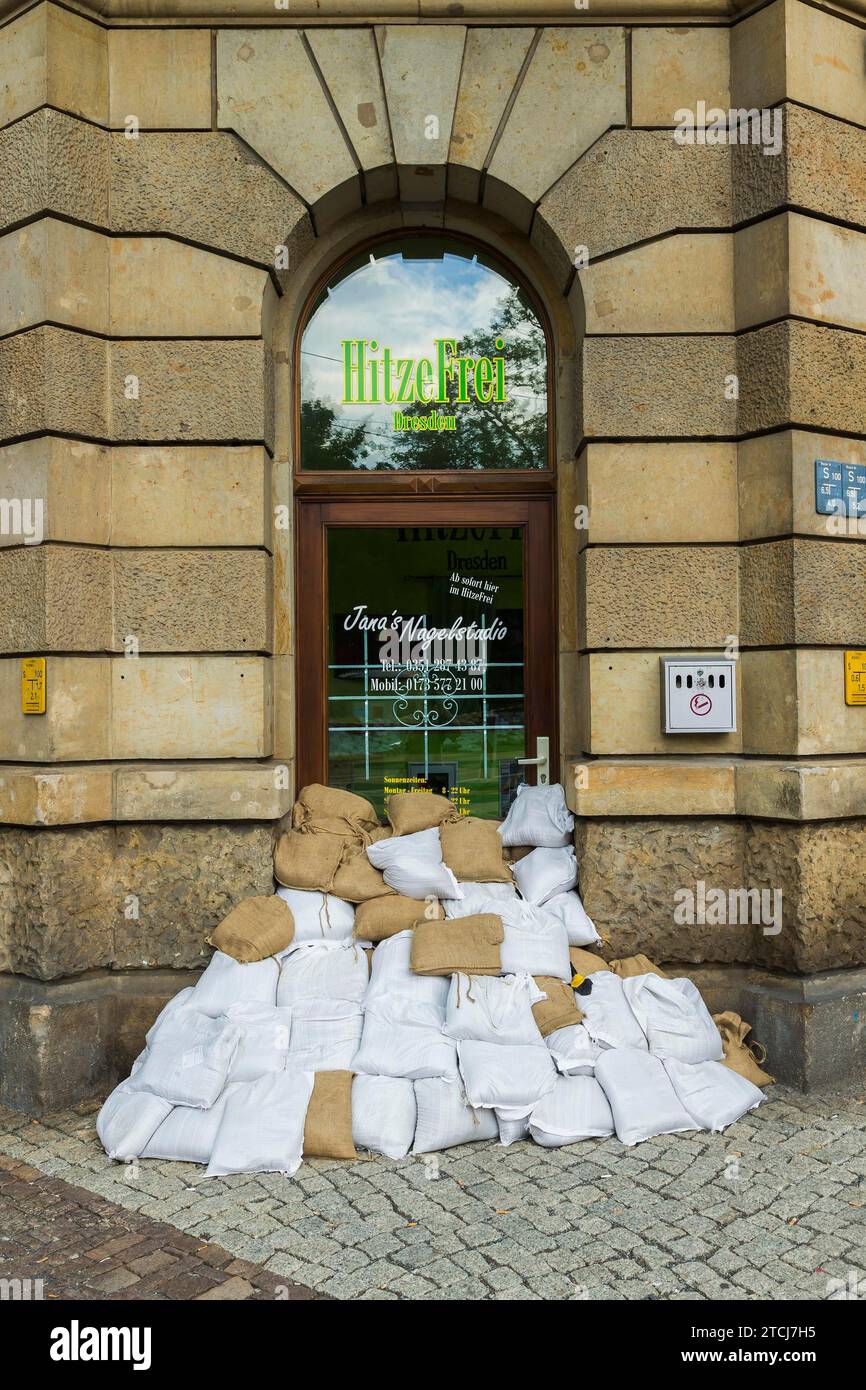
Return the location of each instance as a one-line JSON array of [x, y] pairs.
[[413, 987]]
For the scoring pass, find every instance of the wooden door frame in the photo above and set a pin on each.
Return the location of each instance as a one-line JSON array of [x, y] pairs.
[[313, 516]]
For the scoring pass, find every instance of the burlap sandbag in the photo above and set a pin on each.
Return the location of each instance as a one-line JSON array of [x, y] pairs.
[[514, 853], [411, 811], [306, 860], [380, 918], [356, 880], [559, 1009], [335, 812], [472, 849], [585, 962], [742, 1057], [255, 929], [328, 1126], [468, 944], [627, 966]]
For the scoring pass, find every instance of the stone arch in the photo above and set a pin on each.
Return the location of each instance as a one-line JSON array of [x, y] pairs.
[[282, 317]]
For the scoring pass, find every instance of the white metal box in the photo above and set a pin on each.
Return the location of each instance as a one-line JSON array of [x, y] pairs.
[[699, 695]]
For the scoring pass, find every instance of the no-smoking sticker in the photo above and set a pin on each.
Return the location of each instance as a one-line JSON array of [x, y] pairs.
[[700, 704]]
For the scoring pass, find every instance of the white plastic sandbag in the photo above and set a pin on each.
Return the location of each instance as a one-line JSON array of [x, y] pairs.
[[476, 898], [445, 1117], [226, 982], [570, 911], [322, 970], [538, 816], [533, 942], [493, 1008], [545, 873], [607, 1014], [390, 1047], [641, 1095], [181, 1000], [674, 1017], [187, 1135], [713, 1095], [413, 865], [128, 1120], [513, 1124], [498, 1076], [326, 1034], [396, 992], [262, 1126], [383, 1114], [573, 1050], [575, 1109], [264, 1040], [318, 916], [189, 1060]]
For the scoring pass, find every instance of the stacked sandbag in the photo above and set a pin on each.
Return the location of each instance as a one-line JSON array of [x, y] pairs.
[[674, 1018], [255, 929], [379, 918], [575, 1109], [328, 1121], [324, 852], [410, 812], [740, 1056], [471, 944], [384, 1114], [412, 864], [538, 834], [322, 984], [538, 816], [271, 1005], [474, 897], [445, 1118], [472, 850], [403, 1017], [319, 916], [713, 1095], [418, 986], [332, 811], [641, 1096]]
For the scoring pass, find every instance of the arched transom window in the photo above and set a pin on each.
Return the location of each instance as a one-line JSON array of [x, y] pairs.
[[424, 353]]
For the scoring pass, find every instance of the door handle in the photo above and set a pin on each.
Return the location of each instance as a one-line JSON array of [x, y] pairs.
[[541, 761]]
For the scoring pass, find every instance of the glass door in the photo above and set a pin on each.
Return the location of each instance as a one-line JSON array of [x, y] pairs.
[[432, 666]]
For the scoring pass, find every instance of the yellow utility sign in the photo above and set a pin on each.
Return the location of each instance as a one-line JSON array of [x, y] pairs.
[[33, 685], [855, 678]]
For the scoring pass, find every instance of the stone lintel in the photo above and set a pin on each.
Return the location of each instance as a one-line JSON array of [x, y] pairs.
[[88, 793], [774, 789]]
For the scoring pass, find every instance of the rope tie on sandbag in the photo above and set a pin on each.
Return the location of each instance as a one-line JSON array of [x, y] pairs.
[[324, 908], [465, 1100]]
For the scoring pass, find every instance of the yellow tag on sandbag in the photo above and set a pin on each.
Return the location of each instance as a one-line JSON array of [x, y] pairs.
[[577, 981]]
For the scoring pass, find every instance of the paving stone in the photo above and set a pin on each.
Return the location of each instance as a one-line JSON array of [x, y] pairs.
[[590, 1221]]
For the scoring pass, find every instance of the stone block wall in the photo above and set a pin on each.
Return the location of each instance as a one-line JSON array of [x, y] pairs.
[[170, 193]]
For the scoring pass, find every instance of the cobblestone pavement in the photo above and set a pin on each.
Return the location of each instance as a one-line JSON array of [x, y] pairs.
[[69, 1243], [774, 1208]]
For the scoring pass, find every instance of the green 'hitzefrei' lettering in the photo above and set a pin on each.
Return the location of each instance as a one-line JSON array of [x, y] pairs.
[[369, 379]]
